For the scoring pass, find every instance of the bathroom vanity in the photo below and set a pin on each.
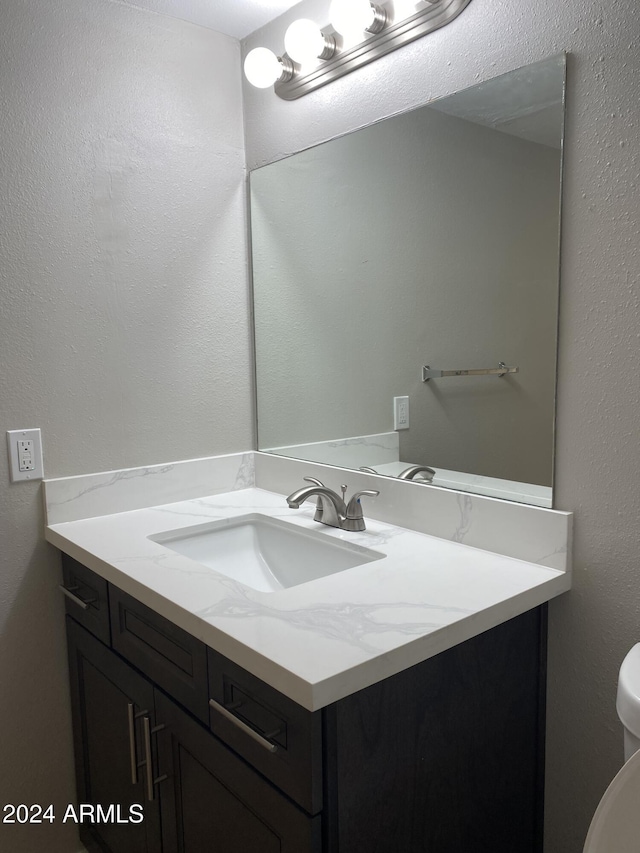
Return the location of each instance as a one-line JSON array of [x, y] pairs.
[[395, 705], [445, 756]]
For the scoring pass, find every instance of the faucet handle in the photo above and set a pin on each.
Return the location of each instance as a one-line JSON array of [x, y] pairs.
[[319, 507], [354, 508]]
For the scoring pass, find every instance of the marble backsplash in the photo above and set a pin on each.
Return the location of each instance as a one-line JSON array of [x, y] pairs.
[[91, 495], [534, 534]]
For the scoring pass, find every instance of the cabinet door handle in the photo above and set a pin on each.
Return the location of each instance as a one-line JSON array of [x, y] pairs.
[[133, 716], [270, 747], [132, 743], [151, 782], [76, 599]]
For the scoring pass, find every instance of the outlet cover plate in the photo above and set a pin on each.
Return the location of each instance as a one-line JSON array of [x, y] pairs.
[[31, 461], [400, 413]]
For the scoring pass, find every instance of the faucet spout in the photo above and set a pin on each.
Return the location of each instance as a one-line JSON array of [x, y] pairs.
[[410, 473], [334, 509]]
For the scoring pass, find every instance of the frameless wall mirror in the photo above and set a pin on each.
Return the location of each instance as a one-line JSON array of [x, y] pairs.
[[418, 258]]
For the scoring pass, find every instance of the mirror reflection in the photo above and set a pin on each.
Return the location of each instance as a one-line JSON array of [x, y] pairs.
[[430, 238]]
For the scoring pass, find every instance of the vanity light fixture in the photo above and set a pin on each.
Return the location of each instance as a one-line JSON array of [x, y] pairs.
[[360, 31], [305, 42]]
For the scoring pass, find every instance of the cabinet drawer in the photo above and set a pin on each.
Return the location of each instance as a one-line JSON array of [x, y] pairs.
[[276, 735], [86, 598], [175, 660]]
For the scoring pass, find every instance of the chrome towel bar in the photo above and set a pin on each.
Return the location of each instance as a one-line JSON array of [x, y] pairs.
[[501, 370]]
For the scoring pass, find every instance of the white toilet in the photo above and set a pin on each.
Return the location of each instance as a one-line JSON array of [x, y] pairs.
[[615, 827]]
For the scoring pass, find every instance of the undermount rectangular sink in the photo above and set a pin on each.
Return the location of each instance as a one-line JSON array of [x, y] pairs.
[[265, 553]]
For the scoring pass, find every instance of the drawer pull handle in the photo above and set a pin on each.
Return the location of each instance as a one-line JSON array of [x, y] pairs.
[[274, 733], [76, 599], [151, 782], [270, 747]]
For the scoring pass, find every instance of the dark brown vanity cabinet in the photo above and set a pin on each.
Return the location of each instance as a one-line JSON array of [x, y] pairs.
[[445, 757], [110, 702], [197, 797]]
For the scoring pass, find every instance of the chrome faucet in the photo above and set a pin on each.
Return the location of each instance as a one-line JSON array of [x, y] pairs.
[[331, 508], [410, 473]]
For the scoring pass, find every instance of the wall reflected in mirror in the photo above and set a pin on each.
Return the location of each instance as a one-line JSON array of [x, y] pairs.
[[428, 238]]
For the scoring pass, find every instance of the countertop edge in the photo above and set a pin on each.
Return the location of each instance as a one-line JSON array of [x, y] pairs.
[[314, 696]]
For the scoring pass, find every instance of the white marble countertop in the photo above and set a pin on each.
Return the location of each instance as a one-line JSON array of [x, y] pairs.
[[322, 640]]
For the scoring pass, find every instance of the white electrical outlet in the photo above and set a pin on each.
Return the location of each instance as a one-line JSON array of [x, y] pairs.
[[25, 454], [400, 413]]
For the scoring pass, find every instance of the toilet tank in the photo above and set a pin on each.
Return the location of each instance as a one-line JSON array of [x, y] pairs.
[[628, 701]]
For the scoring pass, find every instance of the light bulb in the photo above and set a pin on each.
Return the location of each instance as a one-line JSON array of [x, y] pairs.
[[304, 41], [262, 67], [351, 16], [404, 9]]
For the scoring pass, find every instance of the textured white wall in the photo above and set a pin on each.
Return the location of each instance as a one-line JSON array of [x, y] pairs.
[[123, 308], [426, 238], [598, 465]]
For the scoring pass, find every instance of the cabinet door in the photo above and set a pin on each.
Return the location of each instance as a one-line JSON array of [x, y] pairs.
[[213, 802], [107, 695]]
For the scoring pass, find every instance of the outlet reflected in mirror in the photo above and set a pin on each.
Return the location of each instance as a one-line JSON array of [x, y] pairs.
[[429, 238]]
